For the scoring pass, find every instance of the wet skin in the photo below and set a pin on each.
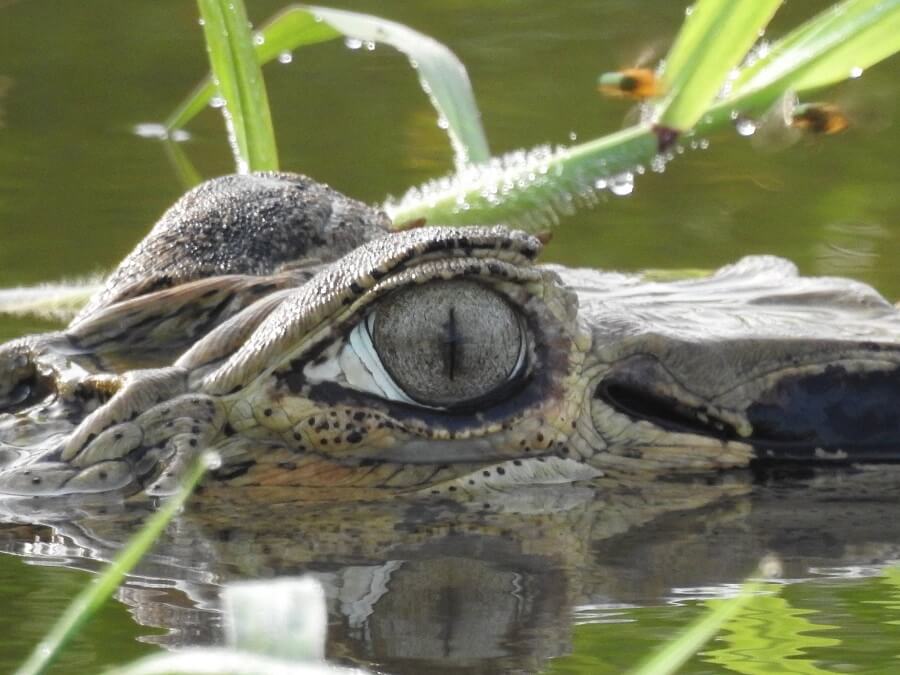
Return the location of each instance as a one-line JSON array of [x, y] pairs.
[[285, 326]]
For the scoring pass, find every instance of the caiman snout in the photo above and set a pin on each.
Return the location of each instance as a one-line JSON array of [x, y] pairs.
[[830, 401]]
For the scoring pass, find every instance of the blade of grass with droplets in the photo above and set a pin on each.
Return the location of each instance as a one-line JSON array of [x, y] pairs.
[[442, 74], [835, 45], [239, 82], [529, 189], [284, 33], [95, 594], [715, 38], [518, 192], [831, 47]]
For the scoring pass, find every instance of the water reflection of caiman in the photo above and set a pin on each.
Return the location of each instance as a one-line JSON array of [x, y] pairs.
[[278, 322], [438, 585]]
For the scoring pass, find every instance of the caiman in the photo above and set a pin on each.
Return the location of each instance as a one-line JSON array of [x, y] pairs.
[[293, 331]]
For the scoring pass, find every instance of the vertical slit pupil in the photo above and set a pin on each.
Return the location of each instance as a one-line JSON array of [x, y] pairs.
[[451, 343]]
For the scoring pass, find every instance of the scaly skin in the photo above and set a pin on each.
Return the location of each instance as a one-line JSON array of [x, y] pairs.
[[235, 326]]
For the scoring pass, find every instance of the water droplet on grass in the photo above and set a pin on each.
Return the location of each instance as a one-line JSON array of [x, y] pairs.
[[745, 127], [353, 43], [211, 460], [622, 185], [285, 57]]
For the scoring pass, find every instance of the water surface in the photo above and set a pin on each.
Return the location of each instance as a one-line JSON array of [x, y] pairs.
[[585, 582]]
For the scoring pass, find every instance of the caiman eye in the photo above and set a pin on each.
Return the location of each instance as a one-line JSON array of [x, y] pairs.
[[444, 344]]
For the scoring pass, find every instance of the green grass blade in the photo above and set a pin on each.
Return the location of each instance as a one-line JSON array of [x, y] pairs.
[[285, 32], [530, 189], [714, 39], [291, 29], [239, 81], [441, 73], [443, 76], [98, 592], [187, 173], [836, 44], [191, 106], [679, 651]]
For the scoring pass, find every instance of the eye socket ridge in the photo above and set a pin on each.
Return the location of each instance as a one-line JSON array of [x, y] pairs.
[[449, 345]]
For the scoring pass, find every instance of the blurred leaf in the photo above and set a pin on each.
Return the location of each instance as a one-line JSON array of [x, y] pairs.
[[273, 627], [284, 618], [95, 594], [187, 174], [839, 43], [239, 81], [675, 653], [714, 39]]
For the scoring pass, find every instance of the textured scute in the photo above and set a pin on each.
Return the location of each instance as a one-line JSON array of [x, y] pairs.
[[243, 225]]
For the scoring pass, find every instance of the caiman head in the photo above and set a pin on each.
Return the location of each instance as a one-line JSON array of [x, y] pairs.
[[283, 325]]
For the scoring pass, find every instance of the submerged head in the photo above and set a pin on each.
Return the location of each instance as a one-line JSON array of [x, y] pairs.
[[443, 360]]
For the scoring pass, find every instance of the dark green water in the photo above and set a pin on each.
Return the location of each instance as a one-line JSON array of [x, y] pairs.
[[78, 188]]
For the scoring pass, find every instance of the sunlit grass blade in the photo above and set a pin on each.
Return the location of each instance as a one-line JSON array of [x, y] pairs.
[[94, 595], [239, 81], [675, 653], [443, 76], [839, 43], [58, 301], [530, 189], [714, 39], [835, 45], [285, 32], [441, 73], [187, 174]]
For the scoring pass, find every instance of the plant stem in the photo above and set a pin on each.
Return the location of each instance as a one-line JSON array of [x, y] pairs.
[[96, 593]]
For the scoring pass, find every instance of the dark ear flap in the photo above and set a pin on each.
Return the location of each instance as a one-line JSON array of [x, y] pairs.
[[246, 225]]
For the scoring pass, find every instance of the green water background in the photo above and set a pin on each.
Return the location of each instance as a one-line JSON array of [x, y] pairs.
[[78, 188]]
